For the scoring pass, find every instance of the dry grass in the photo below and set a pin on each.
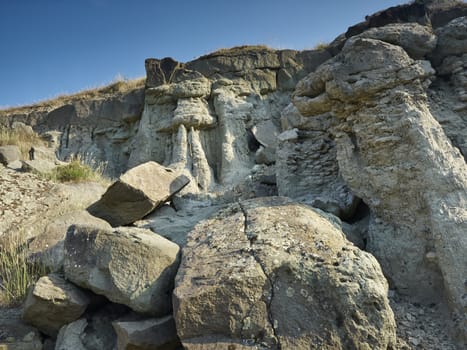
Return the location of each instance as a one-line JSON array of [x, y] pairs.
[[321, 46], [17, 271], [21, 138], [119, 86]]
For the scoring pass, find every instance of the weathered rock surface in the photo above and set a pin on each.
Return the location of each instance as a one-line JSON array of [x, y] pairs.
[[129, 266], [268, 273], [98, 126], [176, 224], [394, 155], [149, 334], [434, 12], [415, 39], [48, 246], [21, 196], [138, 192], [198, 120], [52, 303], [9, 154], [306, 167]]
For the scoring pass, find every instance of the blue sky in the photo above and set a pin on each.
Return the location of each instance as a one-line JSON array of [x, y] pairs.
[[52, 47]]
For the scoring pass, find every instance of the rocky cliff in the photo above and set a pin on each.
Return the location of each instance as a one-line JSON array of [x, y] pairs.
[[371, 131]]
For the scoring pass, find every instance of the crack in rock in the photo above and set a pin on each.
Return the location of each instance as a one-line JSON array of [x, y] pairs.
[[270, 298]]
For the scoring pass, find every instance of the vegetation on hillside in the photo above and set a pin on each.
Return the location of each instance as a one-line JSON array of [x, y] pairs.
[[17, 271], [119, 86], [238, 50], [21, 137], [77, 171], [321, 46]]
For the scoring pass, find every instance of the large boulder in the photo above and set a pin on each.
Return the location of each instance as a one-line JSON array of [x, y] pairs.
[[129, 266], [148, 334], [138, 192], [268, 273], [52, 303]]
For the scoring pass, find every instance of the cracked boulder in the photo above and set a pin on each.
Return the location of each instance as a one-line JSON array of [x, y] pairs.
[[271, 274]]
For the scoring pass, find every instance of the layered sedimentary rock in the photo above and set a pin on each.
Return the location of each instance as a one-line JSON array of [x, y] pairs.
[[97, 127], [393, 154], [198, 121]]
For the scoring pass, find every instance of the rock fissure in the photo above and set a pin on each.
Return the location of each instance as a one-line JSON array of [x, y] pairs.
[[270, 297]]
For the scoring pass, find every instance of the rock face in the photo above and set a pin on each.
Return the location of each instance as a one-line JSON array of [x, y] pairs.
[[271, 274], [129, 266], [52, 303], [198, 120], [138, 192], [394, 155], [98, 126]]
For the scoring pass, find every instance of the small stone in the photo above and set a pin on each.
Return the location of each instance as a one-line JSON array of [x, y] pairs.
[[415, 341]]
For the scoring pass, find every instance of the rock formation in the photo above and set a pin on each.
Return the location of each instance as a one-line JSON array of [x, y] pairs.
[[393, 154], [366, 137]]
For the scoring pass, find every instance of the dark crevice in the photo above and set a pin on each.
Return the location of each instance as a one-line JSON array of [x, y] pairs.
[[252, 238], [362, 211]]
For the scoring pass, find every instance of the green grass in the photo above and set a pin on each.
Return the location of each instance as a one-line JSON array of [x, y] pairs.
[[17, 272], [77, 171]]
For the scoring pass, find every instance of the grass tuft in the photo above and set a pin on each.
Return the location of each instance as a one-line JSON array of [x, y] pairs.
[[78, 171], [321, 46], [17, 271]]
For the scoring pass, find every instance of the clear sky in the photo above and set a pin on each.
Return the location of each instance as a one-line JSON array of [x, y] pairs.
[[52, 47]]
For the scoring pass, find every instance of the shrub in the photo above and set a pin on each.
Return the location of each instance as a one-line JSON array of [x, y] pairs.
[[77, 171], [321, 46], [17, 271]]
